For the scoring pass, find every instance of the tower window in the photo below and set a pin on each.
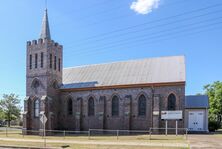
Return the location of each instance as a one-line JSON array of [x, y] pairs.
[[115, 106], [55, 63], [142, 106], [30, 61], [59, 64], [50, 61], [36, 60], [42, 60], [36, 108]]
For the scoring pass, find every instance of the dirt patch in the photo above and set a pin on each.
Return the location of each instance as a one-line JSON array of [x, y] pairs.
[[205, 141]]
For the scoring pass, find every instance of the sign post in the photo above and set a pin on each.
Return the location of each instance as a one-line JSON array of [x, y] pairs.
[[171, 115], [166, 127], [44, 119], [176, 127]]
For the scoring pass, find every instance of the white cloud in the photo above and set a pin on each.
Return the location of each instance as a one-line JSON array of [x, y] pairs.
[[144, 6]]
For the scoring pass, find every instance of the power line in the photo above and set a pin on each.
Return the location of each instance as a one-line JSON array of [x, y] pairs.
[[156, 37], [142, 36], [124, 16], [154, 21], [97, 13], [152, 27], [155, 41]]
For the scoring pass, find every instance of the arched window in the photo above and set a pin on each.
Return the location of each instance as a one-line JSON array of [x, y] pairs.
[[142, 105], [115, 106], [171, 104], [91, 109], [69, 106], [35, 83], [36, 108]]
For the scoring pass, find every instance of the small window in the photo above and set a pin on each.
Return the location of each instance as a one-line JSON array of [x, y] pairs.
[[30, 61], [69, 106], [115, 106], [50, 60], [55, 63], [91, 109], [171, 102], [142, 105], [36, 60], [59, 64], [36, 84], [36, 108], [42, 59]]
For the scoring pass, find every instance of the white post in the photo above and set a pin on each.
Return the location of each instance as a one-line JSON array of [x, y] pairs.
[[88, 134], [44, 131], [166, 127], [64, 134], [176, 127], [150, 133], [6, 131], [117, 133]]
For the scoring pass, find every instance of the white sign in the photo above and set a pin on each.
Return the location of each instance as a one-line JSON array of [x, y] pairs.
[[43, 119], [171, 115]]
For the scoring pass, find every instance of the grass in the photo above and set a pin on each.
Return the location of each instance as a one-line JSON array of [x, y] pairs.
[[78, 142], [80, 146], [135, 138]]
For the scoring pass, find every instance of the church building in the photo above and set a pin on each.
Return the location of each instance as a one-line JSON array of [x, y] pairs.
[[126, 95]]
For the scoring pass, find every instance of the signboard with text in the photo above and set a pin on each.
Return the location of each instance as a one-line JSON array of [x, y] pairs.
[[171, 115]]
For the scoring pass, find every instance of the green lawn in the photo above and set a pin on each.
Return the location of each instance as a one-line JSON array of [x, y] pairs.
[[113, 142], [134, 138], [80, 146]]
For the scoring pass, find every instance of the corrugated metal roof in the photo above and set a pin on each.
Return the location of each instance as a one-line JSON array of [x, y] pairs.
[[150, 70], [197, 101]]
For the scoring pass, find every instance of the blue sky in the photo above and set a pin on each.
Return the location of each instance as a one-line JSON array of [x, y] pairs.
[[104, 31]]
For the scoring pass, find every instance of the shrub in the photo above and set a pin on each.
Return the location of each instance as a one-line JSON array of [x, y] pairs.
[[213, 125]]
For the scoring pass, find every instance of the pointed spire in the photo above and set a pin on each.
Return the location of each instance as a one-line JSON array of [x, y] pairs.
[[45, 33]]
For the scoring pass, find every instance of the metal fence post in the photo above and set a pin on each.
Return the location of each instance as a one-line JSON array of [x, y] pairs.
[[150, 133], [6, 132], [23, 133], [89, 134], [186, 134], [64, 134], [117, 132]]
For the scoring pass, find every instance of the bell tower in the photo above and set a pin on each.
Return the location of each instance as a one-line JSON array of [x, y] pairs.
[[43, 78]]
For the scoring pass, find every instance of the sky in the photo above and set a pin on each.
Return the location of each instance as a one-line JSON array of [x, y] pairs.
[[104, 31]]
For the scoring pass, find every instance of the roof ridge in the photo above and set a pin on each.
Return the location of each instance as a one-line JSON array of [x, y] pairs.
[[131, 60]]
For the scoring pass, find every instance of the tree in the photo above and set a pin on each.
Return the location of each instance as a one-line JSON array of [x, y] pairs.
[[214, 92], [10, 107], [2, 115]]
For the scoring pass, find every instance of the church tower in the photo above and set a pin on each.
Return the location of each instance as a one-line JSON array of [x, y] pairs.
[[43, 79]]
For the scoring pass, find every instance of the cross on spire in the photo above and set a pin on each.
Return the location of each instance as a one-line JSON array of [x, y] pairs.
[[45, 32]]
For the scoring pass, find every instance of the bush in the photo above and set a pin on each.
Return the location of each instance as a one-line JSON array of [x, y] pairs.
[[213, 125]]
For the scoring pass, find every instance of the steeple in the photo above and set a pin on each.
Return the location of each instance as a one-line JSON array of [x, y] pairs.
[[45, 33]]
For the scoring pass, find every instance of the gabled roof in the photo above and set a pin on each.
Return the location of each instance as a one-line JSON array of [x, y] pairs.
[[150, 70], [196, 101], [45, 31]]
